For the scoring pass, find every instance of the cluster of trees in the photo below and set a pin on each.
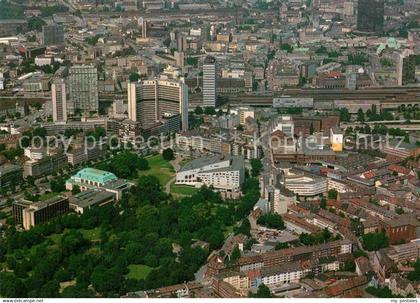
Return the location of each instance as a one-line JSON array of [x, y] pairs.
[[12, 153], [380, 292], [9, 10], [358, 58], [125, 52], [271, 220], [35, 24], [332, 194], [58, 185], [256, 167], [372, 115], [97, 133], [415, 274], [318, 238], [139, 230], [262, 292], [37, 132], [48, 11], [374, 241], [125, 165], [208, 110]]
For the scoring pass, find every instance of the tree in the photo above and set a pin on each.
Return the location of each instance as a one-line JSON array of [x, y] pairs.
[[75, 190], [168, 154], [360, 116], [380, 292], [332, 194], [399, 211], [323, 203], [374, 241], [235, 255], [11, 286], [272, 220], [58, 185], [143, 164], [344, 114], [349, 266], [35, 24], [256, 167], [262, 292], [287, 47], [244, 228], [198, 110], [134, 77], [209, 110], [415, 275]]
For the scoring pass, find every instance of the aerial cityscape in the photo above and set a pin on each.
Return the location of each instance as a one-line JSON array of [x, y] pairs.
[[210, 149]]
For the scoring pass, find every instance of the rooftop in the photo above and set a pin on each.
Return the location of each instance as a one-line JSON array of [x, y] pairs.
[[95, 175]]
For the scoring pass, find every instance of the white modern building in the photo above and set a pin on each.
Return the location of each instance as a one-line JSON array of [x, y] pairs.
[[306, 185], [223, 173]]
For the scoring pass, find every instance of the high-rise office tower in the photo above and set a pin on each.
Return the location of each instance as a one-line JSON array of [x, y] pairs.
[[152, 101], [406, 67], [144, 29], [414, 40], [83, 88], [179, 59], [59, 100], [52, 34], [370, 16], [209, 82], [181, 42]]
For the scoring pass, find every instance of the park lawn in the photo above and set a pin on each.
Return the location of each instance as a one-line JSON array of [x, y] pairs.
[[47, 196], [89, 234], [138, 271], [183, 190], [160, 168]]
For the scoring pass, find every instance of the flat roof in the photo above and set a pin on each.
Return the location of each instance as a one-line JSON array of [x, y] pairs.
[[236, 163]]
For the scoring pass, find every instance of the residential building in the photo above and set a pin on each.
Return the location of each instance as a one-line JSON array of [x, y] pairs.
[[45, 166], [59, 100], [209, 82], [52, 34], [406, 67], [10, 175], [370, 15], [83, 89]]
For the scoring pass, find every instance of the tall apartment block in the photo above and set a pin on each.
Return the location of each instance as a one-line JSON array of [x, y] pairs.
[[52, 34], [83, 88], [152, 101], [59, 100], [406, 68], [209, 82], [370, 16]]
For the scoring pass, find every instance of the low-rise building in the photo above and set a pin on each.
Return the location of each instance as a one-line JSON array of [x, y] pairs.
[[86, 199], [95, 179], [223, 173], [31, 214], [10, 175]]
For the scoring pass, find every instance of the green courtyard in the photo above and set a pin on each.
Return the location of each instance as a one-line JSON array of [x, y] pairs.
[[160, 168]]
